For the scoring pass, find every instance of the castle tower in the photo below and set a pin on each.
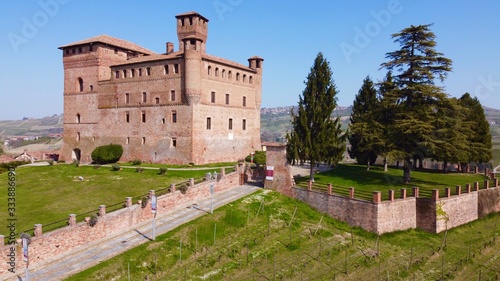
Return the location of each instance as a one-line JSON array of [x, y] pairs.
[[192, 29]]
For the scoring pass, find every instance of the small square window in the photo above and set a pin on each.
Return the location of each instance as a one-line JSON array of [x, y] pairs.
[[163, 120], [176, 68], [244, 124], [127, 98], [140, 71], [172, 95], [212, 97], [230, 123], [157, 100], [174, 142], [127, 117], [67, 51], [80, 49], [127, 140], [117, 74], [148, 71], [227, 98], [244, 101], [174, 116], [143, 116], [144, 97], [209, 123], [143, 140]]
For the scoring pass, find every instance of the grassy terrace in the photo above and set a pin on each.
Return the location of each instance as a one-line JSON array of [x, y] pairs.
[[366, 182], [267, 236], [48, 194]]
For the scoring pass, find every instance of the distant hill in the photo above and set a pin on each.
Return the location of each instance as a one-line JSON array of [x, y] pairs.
[[31, 127]]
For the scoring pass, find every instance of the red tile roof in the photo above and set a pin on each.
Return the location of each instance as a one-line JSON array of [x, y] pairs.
[[106, 39]]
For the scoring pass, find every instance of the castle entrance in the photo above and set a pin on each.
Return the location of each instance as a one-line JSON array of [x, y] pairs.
[[76, 154]]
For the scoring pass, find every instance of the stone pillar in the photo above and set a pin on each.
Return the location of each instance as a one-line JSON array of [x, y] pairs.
[[458, 190], [391, 195], [191, 182], [172, 187], [377, 197], [415, 192], [38, 230], [309, 185], [467, 188], [102, 210], [476, 186], [486, 184], [495, 182], [2, 241], [223, 171], [447, 192], [72, 220], [476, 169], [403, 193], [329, 189], [435, 194], [351, 192], [128, 202]]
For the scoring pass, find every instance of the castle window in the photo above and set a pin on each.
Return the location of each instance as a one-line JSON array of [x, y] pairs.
[[157, 100], [116, 51], [67, 51], [140, 72], [258, 64], [244, 124], [148, 71], [193, 43], [237, 76], [209, 123], [93, 138], [244, 78], [176, 68], [91, 48], [73, 50], [124, 73], [78, 118], [212, 97], [190, 21], [216, 72], [172, 95], [117, 74], [143, 116], [163, 120], [144, 97], [209, 70], [223, 73], [132, 72], [250, 79], [78, 136], [244, 101], [143, 140], [127, 140], [80, 84], [230, 74], [227, 98], [127, 98], [91, 87], [174, 116], [166, 69], [80, 49], [127, 117], [174, 142], [230, 127]]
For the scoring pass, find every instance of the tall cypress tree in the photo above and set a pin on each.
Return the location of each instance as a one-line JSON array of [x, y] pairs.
[[416, 65], [315, 135], [364, 131], [384, 116]]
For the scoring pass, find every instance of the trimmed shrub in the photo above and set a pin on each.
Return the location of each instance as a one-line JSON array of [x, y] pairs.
[[105, 154], [139, 169], [259, 157], [144, 202], [115, 167], [163, 170], [136, 162], [76, 163]]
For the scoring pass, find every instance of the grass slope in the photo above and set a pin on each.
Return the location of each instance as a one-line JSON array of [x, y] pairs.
[[49, 193], [267, 236]]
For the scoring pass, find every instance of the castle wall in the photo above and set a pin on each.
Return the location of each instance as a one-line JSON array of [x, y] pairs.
[[489, 201]]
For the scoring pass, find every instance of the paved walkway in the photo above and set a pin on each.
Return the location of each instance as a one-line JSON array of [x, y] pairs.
[[96, 252]]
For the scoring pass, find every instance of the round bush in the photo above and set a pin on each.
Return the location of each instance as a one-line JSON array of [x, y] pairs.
[[105, 154]]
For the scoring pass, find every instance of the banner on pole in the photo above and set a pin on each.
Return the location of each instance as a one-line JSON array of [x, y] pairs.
[[153, 204]]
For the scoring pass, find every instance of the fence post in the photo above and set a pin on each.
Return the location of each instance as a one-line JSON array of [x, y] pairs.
[[447, 192], [223, 171], [329, 189], [151, 193], [377, 197], [351, 192], [415, 192], [128, 203], [467, 188], [102, 210], [403, 193], [458, 189], [476, 186], [2, 241], [495, 182], [172, 187], [309, 185], [391, 195], [191, 182], [435, 194], [72, 220], [486, 184], [38, 230]]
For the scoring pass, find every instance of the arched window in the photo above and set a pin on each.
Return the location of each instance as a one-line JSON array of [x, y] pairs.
[[237, 76], [78, 120], [250, 79], [230, 74], [223, 73], [216, 72], [209, 70], [244, 78], [80, 84]]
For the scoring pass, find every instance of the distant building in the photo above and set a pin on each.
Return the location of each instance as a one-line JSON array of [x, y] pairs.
[[183, 106]]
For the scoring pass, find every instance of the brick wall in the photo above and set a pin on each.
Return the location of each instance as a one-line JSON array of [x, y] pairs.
[[488, 201], [63, 240]]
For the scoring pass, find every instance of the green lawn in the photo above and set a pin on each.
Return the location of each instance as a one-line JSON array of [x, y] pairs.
[[267, 236], [365, 182], [49, 193]]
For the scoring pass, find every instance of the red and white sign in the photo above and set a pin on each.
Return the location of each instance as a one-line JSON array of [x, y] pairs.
[[269, 173]]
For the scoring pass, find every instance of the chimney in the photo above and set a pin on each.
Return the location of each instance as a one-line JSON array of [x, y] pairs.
[[170, 47]]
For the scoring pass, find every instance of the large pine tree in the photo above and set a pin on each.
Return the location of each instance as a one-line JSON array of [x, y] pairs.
[[415, 66], [315, 135], [364, 131]]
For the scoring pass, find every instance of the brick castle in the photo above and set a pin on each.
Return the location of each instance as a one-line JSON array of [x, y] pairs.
[[183, 106]]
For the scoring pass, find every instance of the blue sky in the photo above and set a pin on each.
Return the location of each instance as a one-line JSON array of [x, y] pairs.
[[354, 36]]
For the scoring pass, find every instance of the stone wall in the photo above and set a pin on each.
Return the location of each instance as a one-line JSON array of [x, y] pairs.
[[61, 241], [488, 201]]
